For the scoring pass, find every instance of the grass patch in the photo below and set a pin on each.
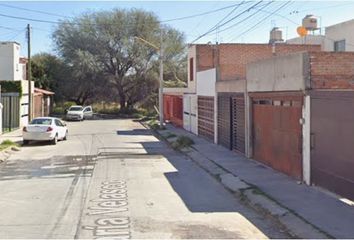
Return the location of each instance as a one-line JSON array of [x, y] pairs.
[[182, 142], [7, 143], [155, 125]]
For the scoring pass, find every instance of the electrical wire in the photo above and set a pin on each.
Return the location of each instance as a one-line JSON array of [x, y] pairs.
[[32, 10], [238, 15], [58, 22], [261, 21], [246, 18]]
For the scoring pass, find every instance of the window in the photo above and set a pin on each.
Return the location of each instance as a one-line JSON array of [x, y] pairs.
[[41, 121], [339, 46], [58, 123], [191, 69]]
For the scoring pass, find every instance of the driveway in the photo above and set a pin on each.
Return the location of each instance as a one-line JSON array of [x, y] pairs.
[[113, 178]]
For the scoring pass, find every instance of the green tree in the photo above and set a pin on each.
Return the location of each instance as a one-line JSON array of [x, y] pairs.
[[117, 59], [49, 72]]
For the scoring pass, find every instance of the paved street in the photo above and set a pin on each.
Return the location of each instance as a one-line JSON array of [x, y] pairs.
[[113, 179]]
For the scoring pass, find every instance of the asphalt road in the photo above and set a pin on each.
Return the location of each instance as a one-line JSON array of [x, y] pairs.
[[113, 179]]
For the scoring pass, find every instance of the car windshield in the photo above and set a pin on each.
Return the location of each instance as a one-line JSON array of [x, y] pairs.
[[75, 109], [41, 121]]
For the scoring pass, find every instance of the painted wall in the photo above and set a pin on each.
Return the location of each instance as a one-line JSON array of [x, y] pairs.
[[9, 61], [206, 83], [192, 54], [341, 31], [231, 86], [24, 102], [274, 74]]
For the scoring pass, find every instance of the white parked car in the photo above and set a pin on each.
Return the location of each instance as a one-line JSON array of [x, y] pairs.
[[45, 129], [79, 113]]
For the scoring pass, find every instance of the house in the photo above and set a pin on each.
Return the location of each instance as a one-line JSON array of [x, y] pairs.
[[13, 71], [42, 102], [217, 72], [340, 37], [297, 114]]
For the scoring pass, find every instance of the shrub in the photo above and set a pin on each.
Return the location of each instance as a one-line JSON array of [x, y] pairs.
[[182, 142]]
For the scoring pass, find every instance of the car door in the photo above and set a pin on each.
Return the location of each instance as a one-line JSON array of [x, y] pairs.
[[88, 112], [60, 128]]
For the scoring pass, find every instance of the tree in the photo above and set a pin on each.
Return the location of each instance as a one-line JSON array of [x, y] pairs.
[[49, 72], [121, 61]]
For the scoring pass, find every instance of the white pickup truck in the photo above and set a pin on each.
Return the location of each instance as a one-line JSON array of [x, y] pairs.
[[79, 113]]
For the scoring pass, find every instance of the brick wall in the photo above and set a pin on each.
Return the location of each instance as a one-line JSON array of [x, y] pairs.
[[332, 70], [235, 57]]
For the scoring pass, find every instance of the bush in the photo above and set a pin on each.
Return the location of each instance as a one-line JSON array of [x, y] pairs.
[[7, 143], [155, 125], [182, 142]]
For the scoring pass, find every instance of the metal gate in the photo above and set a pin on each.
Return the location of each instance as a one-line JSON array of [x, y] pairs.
[[332, 137], [224, 120], [277, 133], [206, 117], [10, 111], [238, 123]]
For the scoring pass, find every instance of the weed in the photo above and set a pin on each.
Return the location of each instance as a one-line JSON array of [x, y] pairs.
[[182, 142], [7, 143]]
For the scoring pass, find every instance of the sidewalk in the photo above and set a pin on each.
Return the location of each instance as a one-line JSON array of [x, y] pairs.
[[15, 136], [323, 211]]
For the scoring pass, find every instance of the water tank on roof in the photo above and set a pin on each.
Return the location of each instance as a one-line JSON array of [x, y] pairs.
[[276, 35], [310, 22]]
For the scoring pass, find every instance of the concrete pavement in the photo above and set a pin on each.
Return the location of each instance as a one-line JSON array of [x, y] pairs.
[[325, 212], [114, 179]]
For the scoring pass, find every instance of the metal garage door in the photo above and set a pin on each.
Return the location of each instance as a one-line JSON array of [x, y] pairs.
[[277, 133], [332, 138], [206, 117], [238, 123], [224, 120]]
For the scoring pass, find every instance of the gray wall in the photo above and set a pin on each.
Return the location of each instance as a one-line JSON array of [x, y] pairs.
[[285, 73]]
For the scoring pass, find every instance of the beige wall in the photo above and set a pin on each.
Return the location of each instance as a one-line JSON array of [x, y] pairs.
[[286, 73], [231, 86], [341, 31], [192, 54], [309, 39]]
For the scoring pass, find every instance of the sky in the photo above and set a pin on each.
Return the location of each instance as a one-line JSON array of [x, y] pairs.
[[243, 26]]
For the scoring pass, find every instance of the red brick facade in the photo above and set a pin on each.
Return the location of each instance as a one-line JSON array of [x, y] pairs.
[[332, 70], [234, 57]]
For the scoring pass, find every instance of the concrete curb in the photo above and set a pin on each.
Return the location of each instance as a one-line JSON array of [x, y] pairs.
[[296, 226], [7, 152]]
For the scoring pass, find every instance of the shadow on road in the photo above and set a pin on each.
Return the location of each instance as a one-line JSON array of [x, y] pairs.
[[199, 192], [55, 167]]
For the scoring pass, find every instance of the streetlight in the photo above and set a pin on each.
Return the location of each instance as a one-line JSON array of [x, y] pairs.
[[160, 51]]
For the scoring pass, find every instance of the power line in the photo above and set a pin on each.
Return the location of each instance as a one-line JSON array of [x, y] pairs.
[[32, 10], [261, 21], [246, 18], [58, 22], [204, 13], [231, 12], [28, 19], [213, 29]]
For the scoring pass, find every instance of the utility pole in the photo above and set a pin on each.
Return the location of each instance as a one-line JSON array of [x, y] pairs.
[[161, 80], [29, 73]]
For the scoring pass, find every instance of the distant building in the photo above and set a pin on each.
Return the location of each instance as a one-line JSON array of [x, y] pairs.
[[340, 37]]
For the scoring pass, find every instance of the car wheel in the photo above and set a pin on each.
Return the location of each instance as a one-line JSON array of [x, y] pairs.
[[55, 140], [25, 142], [66, 136]]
